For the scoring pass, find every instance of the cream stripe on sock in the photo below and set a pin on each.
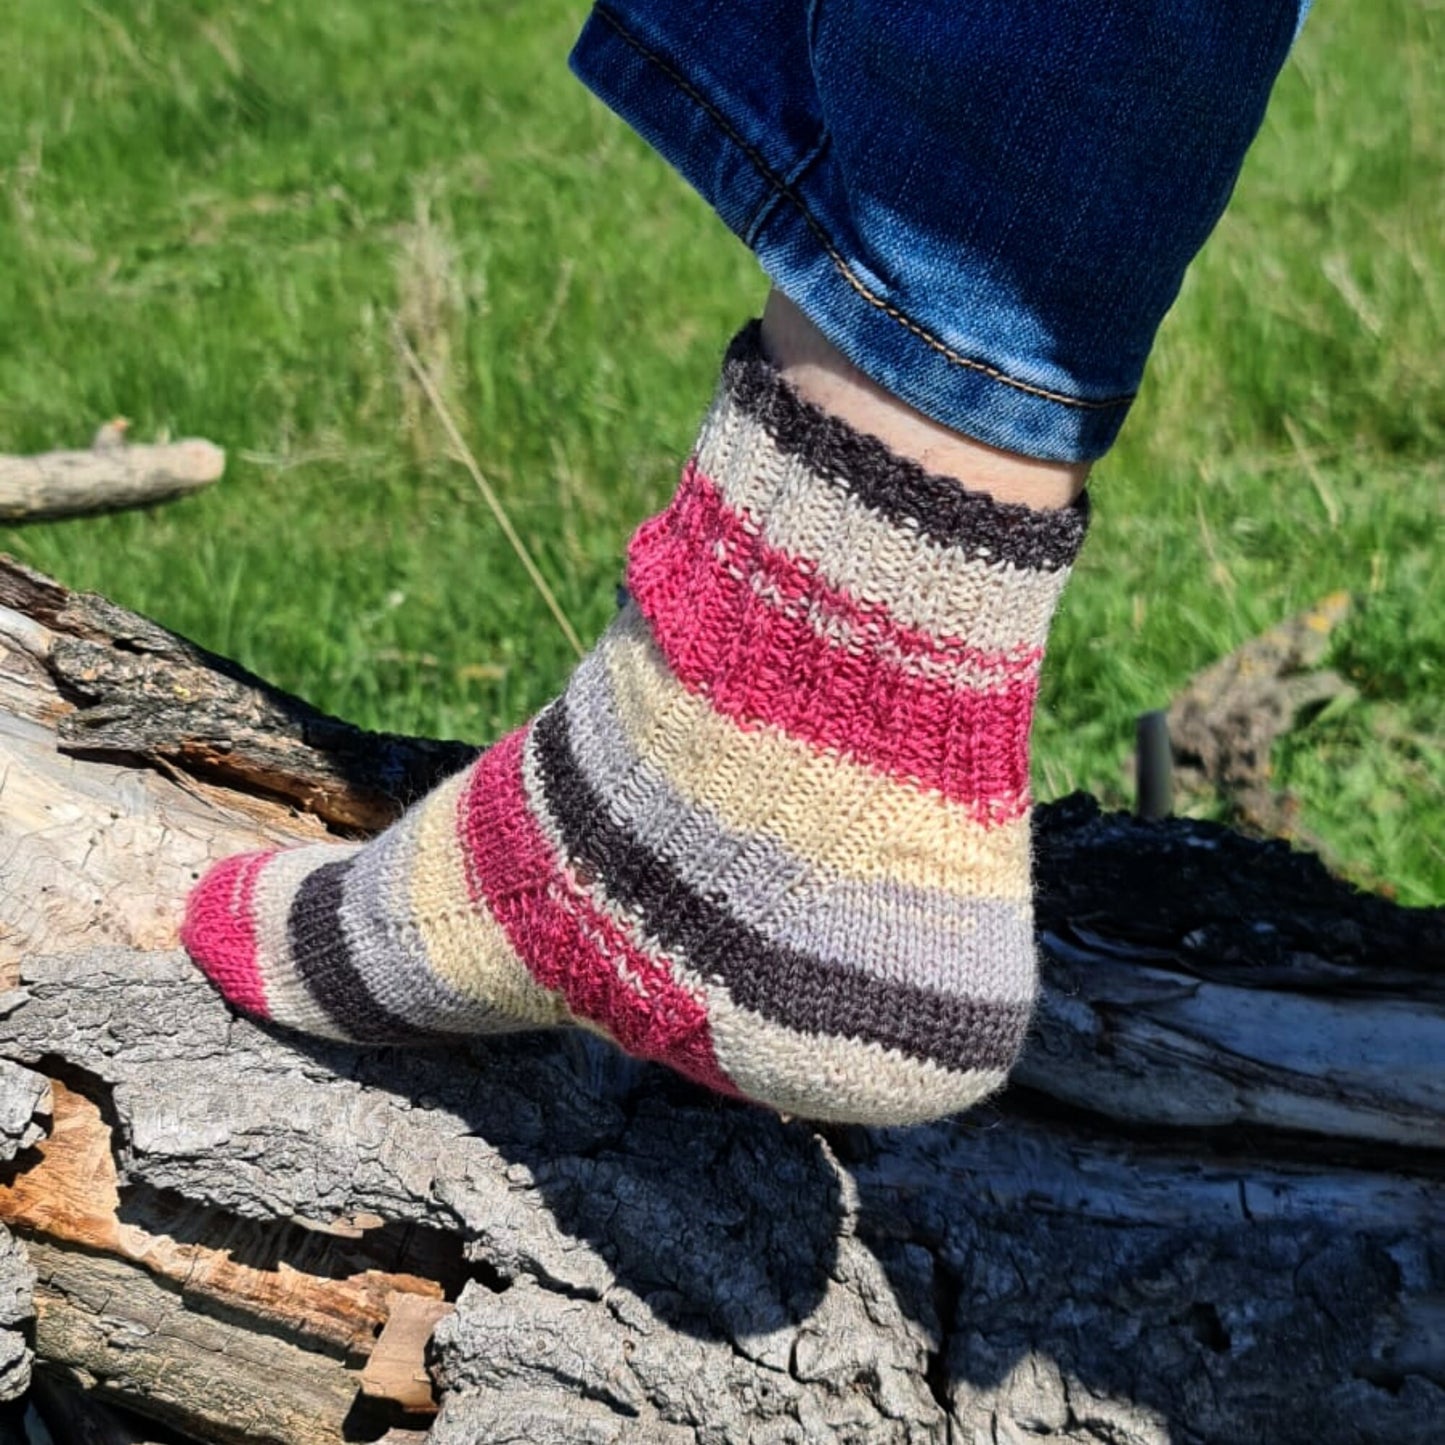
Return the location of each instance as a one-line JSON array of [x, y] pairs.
[[822, 1076], [287, 996], [466, 945], [829, 811]]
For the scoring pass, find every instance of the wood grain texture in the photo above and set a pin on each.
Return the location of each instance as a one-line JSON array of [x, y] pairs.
[[1211, 1211], [125, 1335], [395, 1369]]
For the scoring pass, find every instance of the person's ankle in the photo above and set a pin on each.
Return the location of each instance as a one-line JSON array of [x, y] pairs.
[[821, 374]]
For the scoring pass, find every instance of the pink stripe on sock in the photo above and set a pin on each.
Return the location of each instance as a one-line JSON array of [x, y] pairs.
[[219, 931], [792, 582], [690, 571], [566, 942]]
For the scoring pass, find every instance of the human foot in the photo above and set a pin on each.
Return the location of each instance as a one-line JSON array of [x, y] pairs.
[[775, 831]]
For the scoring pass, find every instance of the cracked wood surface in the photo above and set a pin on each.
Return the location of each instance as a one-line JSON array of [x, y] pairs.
[[17, 1310], [1211, 1212], [331, 1295], [127, 1336]]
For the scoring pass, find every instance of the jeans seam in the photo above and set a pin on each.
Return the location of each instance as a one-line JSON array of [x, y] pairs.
[[780, 192], [840, 262]]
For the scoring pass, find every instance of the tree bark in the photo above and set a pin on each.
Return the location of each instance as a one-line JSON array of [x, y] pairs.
[[1210, 1209], [104, 478]]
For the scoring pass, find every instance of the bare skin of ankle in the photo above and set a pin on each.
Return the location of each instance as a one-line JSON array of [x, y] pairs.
[[820, 373]]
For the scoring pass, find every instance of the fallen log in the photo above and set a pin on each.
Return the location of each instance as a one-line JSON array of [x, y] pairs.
[[106, 477], [1212, 1207]]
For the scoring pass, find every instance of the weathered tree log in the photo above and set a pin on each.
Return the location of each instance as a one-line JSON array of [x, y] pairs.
[[1212, 1209], [104, 478]]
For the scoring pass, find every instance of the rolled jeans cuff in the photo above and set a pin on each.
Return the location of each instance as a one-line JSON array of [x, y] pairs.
[[1002, 326]]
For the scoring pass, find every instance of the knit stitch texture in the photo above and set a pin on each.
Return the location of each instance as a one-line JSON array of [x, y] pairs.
[[775, 831]]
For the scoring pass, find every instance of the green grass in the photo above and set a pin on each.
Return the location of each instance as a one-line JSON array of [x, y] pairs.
[[211, 212]]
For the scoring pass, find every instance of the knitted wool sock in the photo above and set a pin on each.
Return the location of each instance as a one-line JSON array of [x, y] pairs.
[[774, 833]]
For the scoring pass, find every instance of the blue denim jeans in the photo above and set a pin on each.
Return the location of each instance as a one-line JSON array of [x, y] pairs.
[[987, 206]]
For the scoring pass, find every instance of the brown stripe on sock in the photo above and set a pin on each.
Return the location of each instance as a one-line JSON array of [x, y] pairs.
[[921, 584], [907, 494], [780, 983], [324, 964]]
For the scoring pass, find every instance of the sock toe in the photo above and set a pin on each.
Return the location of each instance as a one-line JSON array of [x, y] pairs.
[[219, 931]]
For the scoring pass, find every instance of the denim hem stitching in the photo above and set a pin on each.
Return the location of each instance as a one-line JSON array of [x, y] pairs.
[[840, 262], [769, 205]]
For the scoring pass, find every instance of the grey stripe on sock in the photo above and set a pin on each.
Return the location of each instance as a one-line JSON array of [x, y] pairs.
[[782, 984], [323, 960], [889, 930], [386, 947]]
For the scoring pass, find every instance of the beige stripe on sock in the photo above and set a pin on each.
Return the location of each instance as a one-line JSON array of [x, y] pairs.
[[829, 811], [465, 944], [816, 1076]]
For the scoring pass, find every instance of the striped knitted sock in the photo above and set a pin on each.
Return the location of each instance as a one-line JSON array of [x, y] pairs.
[[774, 833]]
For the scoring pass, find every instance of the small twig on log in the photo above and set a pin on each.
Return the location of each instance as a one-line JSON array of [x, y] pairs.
[[104, 478]]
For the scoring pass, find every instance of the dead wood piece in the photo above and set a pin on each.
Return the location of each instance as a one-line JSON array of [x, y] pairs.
[[76, 1417], [291, 1280], [104, 478], [670, 1262], [396, 1368], [141, 691], [120, 1332], [1216, 1212], [1196, 976], [1225, 722]]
